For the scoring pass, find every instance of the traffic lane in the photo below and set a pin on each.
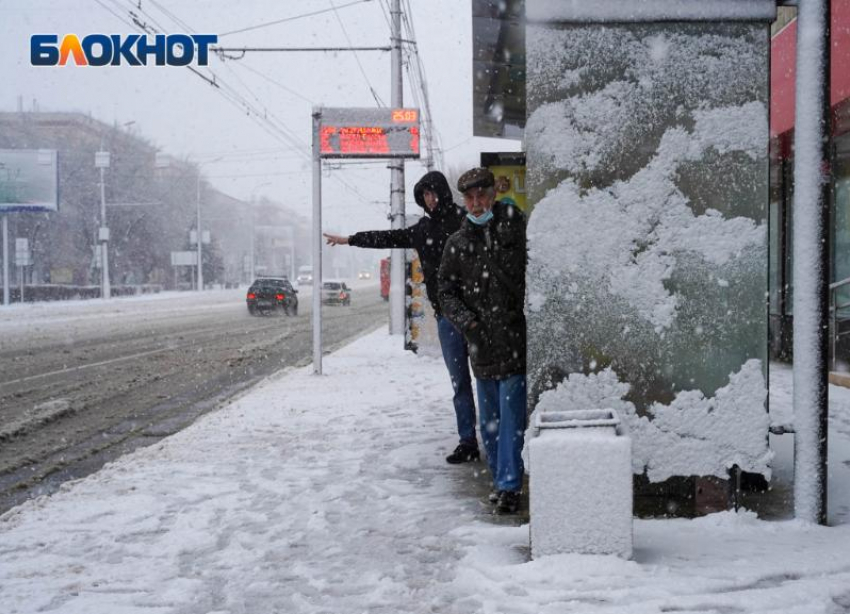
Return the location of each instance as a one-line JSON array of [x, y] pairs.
[[53, 347], [82, 422], [64, 337], [37, 378], [41, 375]]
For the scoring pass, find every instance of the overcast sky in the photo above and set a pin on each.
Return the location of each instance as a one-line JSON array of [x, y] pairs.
[[185, 116]]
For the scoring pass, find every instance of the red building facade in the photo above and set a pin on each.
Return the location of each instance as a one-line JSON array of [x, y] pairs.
[[782, 110]]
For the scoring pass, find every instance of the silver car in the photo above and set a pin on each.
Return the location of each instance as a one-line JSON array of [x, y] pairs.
[[335, 292]]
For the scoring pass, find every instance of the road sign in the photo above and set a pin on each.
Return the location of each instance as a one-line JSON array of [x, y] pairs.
[[184, 258], [22, 252], [193, 237], [369, 133], [29, 180]]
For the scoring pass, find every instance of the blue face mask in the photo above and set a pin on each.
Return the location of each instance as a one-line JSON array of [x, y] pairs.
[[481, 219]]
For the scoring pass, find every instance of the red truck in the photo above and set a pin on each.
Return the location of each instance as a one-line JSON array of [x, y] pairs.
[[385, 279]]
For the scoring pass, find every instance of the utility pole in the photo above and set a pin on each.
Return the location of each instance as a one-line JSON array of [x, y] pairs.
[[102, 161], [251, 268], [317, 244], [397, 262], [199, 237], [5, 258], [812, 195]]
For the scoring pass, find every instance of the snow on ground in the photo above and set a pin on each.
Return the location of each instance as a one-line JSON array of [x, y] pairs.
[[329, 494]]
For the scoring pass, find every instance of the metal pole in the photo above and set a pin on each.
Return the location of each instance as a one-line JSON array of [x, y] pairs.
[[397, 260], [199, 236], [5, 259], [253, 248], [105, 289], [811, 260], [317, 245]]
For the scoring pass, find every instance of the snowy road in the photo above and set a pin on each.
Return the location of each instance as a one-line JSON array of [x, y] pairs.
[[84, 382]]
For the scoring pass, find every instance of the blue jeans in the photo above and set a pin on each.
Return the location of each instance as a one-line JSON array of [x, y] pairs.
[[457, 362], [502, 411]]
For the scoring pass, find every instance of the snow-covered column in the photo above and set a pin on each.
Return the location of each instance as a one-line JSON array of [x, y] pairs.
[[811, 214], [647, 141]]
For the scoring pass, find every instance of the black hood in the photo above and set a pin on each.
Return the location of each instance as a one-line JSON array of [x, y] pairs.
[[437, 183]]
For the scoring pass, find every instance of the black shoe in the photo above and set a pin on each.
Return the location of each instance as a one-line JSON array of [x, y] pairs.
[[508, 502], [463, 454], [493, 497]]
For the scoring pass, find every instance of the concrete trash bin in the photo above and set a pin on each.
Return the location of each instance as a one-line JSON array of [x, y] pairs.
[[580, 489]]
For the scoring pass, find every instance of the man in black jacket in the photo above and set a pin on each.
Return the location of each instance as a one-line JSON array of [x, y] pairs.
[[482, 291], [428, 236]]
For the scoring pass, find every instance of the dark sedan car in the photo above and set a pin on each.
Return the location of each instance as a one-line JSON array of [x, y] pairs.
[[270, 295]]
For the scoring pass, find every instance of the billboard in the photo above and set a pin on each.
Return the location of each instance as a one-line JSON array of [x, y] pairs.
[[509, 172], [29, 180], [369, 133]]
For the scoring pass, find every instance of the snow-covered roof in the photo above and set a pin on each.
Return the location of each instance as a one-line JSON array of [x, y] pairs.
[[650, 10]]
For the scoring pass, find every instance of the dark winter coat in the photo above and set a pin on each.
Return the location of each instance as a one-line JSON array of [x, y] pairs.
[[427, 236], [482, 282]]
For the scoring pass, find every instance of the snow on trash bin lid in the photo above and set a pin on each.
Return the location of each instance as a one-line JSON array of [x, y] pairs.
[[578, 418]]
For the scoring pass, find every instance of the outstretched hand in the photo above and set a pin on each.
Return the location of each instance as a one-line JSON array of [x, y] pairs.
[[335, 239]]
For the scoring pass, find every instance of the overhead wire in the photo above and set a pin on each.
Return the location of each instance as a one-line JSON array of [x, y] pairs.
[[386, 11], [170, 14], [357, 58], [435, 139], [262, 75], [301, 147], [116, 15], [416, 86], [419, 86], [263, 174], [278, 21], [264, 119], [259, 116], [240, 152], [225, 89], [227, 159]]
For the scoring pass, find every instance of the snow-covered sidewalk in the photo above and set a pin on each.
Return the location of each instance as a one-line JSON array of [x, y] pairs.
[[330, 495]]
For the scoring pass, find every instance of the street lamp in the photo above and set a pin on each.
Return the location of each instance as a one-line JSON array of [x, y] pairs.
[[101, 161], [200, 238], [253, 266], [200, 233]]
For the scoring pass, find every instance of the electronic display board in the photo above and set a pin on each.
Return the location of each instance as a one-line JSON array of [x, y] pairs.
[[369, 133]]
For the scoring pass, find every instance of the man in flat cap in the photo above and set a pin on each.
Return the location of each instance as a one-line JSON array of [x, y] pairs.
[[482, 291]]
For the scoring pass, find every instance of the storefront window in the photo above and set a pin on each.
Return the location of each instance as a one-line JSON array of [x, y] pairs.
[[841, 238], [775, 274], [775, 218], [789, 236]]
